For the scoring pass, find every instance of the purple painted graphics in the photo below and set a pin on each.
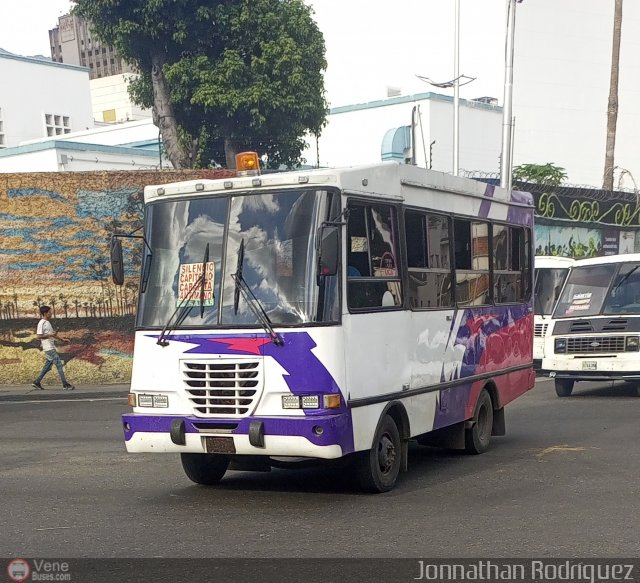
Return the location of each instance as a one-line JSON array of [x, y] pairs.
[[475, 329], [305, 373]]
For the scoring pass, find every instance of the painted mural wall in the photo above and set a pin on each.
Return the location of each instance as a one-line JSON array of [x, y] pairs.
[[54, 250]]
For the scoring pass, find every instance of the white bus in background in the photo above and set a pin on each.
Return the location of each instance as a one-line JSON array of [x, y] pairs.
[[595, 331], [550, 275]]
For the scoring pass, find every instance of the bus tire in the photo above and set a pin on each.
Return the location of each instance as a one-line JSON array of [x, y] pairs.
[[478, 436], [204, 468], [564, 387], [377, 469]]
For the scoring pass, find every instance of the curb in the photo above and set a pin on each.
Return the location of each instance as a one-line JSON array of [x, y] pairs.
[[56, 395]]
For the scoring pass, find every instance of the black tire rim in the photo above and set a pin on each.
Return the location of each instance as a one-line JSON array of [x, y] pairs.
[[386, 454]]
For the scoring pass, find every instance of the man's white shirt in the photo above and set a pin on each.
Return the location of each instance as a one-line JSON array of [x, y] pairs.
[[45, 327]]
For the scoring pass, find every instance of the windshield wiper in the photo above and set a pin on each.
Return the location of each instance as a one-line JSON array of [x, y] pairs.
[[183, 307], [252, 301], [204, 280], [624, 278]]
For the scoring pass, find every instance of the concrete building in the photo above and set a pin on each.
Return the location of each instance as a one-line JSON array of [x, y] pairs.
[[72, 42], [111, 102], [40, 99], [355, 134]]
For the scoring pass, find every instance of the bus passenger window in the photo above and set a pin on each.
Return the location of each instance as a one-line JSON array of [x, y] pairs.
[[373, 275], [428, 259]]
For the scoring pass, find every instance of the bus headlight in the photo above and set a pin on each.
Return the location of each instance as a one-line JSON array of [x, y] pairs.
[[632, 344], [332, 401], [560, 345]]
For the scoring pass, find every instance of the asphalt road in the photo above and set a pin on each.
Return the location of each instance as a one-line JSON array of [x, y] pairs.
[[564, 482]]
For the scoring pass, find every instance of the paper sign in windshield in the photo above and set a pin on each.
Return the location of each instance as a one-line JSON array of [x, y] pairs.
[[580, 302], [190, 285]]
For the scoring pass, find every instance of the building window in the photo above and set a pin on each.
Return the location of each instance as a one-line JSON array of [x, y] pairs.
[[57, 125]]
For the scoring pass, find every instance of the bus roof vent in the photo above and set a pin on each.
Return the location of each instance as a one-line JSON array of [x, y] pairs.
[[615, 325]]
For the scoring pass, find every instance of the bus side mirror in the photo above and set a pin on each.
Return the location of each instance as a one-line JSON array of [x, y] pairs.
[[329, 246], [117, 264]]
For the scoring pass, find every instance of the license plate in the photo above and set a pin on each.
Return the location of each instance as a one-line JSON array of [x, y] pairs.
[[219, 445], [589, 365]]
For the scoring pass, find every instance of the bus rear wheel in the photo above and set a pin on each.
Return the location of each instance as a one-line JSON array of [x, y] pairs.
[[564, 387], [377, 469], [204, 468], [478, 436]]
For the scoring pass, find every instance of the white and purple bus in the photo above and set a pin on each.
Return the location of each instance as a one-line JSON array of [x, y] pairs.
[[331, 313]]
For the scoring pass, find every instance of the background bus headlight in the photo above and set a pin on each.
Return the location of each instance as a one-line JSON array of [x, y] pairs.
[[560, 345], [632, 344]]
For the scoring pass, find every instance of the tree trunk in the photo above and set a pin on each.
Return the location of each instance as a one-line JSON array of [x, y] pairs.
[[612, 109], [164, 117], [230, 153]]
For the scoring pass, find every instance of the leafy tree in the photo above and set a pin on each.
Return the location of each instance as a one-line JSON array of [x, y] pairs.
[[547, 174], [221, 76]]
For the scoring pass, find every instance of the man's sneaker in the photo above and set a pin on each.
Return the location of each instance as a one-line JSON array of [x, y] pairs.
[[68, 387], [37, 385]]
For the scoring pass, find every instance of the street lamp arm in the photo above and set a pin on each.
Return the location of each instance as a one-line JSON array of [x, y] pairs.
[[462, 80]]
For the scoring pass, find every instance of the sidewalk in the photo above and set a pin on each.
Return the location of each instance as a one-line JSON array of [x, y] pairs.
[[54, 391]]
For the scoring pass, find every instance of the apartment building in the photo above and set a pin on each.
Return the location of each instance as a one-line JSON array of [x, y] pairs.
[[72, 42]]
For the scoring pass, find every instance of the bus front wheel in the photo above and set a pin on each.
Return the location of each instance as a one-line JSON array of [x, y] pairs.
[[478, 436], [204, 468], [377, 469], [564, 387]]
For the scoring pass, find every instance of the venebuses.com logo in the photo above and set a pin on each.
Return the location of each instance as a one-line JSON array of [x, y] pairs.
[[18, 570]]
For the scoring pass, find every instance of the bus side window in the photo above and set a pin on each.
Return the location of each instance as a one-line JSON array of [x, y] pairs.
[[373, 275], [428, 259]]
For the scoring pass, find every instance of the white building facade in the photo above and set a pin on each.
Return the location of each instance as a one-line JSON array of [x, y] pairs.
[[355, 134], [40, 98], [111, 101]]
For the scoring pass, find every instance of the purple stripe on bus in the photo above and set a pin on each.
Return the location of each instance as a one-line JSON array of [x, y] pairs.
[[520, 215], [485, 205], [336, 429], [451, 405]]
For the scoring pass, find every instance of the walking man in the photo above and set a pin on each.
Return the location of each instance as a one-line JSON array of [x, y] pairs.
[[46, 333]]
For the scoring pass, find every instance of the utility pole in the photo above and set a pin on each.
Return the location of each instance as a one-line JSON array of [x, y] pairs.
[[507, 108], [456, 92], [612, 109]]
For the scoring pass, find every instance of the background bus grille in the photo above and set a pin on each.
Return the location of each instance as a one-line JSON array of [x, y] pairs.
[[223, 388], [583, 344], [539, 330]]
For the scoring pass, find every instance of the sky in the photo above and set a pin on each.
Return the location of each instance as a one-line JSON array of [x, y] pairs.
[[369, 45]]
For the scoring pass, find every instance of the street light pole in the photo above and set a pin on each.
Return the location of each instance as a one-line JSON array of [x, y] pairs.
[[507, 109], [456, 92]]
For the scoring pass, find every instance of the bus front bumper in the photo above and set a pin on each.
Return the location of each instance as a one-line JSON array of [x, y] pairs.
[[321, 436]]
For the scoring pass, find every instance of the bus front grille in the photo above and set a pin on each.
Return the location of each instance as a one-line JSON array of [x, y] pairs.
[[224, 387], [595, 344], [539, 330]]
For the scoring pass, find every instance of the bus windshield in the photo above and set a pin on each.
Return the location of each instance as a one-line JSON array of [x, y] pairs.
[[189, 237], [547, 289], [601, 289]]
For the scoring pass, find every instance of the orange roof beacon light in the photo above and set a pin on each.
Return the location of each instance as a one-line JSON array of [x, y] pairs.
[[247, 164]]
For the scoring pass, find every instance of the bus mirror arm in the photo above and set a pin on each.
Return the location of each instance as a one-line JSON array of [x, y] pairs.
[[115, 250]]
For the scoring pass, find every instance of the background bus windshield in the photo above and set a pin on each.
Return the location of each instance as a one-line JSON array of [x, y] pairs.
[[601, 289]]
